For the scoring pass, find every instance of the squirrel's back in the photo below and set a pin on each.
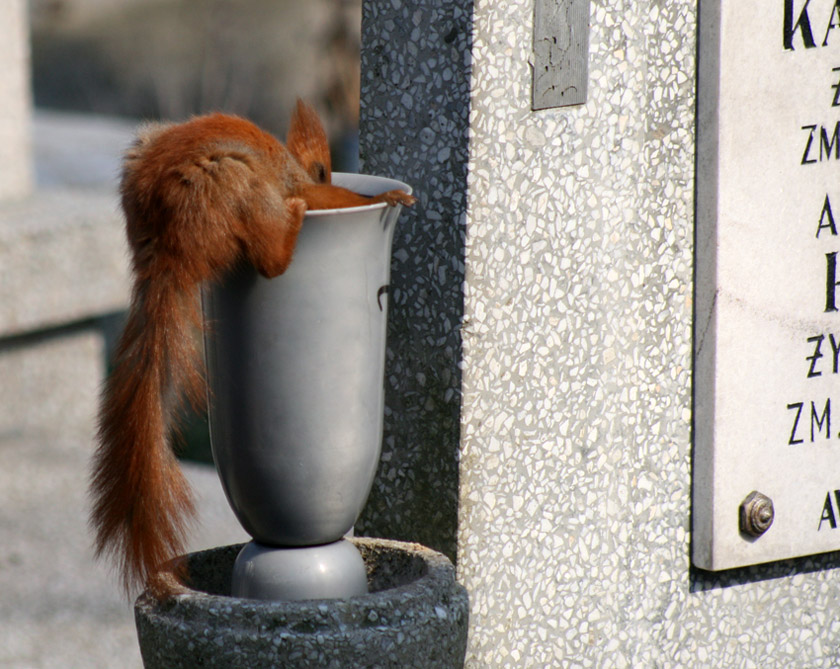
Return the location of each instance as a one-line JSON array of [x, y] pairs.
[[196, 190]]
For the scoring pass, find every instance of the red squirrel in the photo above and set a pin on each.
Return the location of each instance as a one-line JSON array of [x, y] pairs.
[[198, 198]]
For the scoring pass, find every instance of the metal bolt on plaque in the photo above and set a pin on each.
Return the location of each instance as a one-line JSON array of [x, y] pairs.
[[755, 515]]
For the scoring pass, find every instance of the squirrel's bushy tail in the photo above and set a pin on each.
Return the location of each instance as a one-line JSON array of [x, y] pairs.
[[142, 503]]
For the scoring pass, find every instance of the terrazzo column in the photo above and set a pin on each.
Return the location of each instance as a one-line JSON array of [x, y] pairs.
[[15, 161], [538, 420]]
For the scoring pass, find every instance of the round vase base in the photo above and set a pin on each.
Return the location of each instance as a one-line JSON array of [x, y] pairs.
[[329, 571]]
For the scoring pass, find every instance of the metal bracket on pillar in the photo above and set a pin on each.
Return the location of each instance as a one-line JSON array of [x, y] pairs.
[[561, 53]]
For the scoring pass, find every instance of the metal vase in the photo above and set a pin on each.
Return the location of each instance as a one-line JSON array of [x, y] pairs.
[[295, 375]]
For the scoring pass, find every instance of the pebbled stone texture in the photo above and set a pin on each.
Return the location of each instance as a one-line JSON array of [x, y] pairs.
[[414, 616]]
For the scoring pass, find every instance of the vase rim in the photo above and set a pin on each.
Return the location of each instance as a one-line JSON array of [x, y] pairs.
[[377, 185]]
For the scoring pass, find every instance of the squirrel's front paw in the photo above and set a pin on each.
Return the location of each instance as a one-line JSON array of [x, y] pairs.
[[395, 197]]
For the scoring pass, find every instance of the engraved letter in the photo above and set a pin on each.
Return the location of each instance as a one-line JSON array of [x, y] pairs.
[[817, 355], [798, 406], [835, 349], [803, 23], [833, 144], [830, 281], [807, 151], [826, 212], [831, 24], [825, 420], [827, 514]]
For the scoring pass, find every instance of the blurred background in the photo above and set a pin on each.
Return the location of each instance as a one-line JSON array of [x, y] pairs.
[[172, 58], [76, 77]]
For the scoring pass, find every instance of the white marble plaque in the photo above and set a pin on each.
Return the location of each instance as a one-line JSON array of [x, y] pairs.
[[767, 312]]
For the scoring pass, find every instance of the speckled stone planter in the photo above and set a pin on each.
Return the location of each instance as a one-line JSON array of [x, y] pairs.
[[414, 616]]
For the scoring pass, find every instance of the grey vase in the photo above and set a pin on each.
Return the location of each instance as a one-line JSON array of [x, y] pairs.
[[295, 375]]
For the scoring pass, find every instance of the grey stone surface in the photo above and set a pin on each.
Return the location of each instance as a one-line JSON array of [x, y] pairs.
[[60, 608], [415, 615], [414, 127], [62, 251], [574, 479], [49, 386], [15, 157], [62, 259]]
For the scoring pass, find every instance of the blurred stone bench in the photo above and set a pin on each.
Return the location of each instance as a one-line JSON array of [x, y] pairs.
[[63, 271]]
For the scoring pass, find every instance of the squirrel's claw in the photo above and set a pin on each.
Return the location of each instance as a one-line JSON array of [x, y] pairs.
[[395, 197]]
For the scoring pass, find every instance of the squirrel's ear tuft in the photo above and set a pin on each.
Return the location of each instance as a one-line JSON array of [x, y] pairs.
[[307, 142]]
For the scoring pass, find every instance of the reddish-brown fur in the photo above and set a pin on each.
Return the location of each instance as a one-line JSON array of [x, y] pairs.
[[307, 141], [198, 197]]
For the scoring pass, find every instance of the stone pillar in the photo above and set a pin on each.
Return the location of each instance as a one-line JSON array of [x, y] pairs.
[[414, 126], [15, 162], [541, 341]]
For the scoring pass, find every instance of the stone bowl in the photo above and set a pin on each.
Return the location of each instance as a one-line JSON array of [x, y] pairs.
[[415, 615]]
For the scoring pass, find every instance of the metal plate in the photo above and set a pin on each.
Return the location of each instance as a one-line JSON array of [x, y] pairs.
[[561, 53]]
